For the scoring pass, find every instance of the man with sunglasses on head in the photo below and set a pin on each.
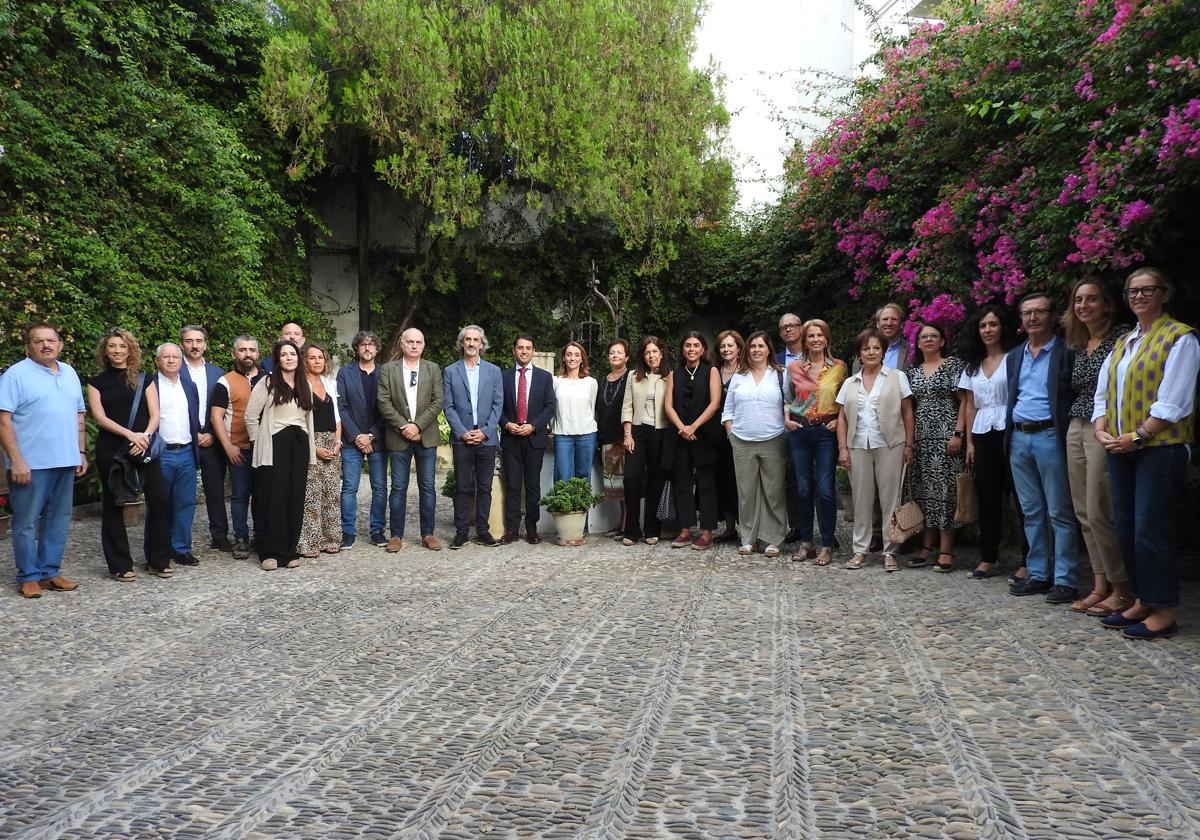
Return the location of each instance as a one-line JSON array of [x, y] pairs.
[[410, 398]]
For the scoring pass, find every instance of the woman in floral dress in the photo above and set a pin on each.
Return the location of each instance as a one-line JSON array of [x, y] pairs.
[[938, 454]]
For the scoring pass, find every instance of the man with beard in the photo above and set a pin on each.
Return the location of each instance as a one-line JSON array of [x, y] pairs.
[[362, 438], [193, 339], [228, 423]]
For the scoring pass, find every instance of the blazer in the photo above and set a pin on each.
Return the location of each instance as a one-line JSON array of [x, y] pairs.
[[393, 403], [540, 406], [352, 406], [213, 374], [458, 401], [1062, 360], [193, 400]]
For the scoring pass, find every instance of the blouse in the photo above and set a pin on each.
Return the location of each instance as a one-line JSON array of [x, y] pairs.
[[1176, 396], [755, 408], [990, 395], [868, 433], [574, 406], [815, 400], [1086, 372]]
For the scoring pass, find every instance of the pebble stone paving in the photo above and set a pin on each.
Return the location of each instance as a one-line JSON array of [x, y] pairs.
[[594, 692]]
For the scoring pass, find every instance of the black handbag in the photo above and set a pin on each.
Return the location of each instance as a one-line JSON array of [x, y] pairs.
[[157, 444]]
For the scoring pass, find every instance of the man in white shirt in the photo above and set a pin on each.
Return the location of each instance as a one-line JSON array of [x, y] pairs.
[[179, 427], [194, 340]]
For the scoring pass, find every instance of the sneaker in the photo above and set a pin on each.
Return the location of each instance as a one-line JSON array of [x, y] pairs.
[[268, 564], [704, 542], [458, 542], [485, 538], [1030, 586], [378, 539], [347, 540], [681, 541], [186, 560], [241, 550], [1062, 595]]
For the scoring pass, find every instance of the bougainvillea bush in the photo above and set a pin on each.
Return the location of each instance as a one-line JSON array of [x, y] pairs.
[[1013, 145]]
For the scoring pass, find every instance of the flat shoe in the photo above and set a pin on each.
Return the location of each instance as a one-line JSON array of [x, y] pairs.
[[771, 551], [124, 577], [890, 563], [651, 540], [627, 541], [1141, 631], [981, 574], [30, 589], [748, 549], [856, 562]]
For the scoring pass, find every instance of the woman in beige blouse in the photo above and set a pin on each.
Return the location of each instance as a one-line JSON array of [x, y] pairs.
[[645, 425]]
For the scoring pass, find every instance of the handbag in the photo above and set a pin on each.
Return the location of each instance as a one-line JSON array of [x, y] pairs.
[[907, 520], [666, 503], [157, 444], [966, 498]]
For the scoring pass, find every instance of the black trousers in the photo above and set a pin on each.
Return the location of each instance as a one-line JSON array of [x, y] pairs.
[[522, 468], [644, 478], [993, 483], [212, 478], [694, 481], [281, 488], [474, 467], [114, 539], [727, 497]]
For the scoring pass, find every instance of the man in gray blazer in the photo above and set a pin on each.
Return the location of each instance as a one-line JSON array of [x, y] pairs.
[[474, 396], [410, 398]]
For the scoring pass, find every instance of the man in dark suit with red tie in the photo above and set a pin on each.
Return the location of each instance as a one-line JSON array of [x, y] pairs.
[[525, 425]]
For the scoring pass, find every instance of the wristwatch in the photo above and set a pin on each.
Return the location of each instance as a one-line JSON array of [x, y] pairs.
[[1138, 440], [371, 436]]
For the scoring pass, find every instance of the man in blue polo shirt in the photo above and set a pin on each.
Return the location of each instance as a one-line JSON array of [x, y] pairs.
[[42, 433]]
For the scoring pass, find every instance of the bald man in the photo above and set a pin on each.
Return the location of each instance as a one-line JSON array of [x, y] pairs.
[[410, 397]]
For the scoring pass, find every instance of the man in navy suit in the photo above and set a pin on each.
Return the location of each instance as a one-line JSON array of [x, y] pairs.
[[362, 439], [194, 340], [474, 397], [525, 423], [179, 427], [1039, 403]]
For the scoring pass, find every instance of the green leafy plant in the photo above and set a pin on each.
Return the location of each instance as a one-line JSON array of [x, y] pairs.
[[575, 495]]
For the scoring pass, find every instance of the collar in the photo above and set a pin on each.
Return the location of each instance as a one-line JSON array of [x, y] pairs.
[[884, 370], [1049, 345]]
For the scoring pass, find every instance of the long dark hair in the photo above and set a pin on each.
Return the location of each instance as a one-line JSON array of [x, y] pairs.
[[703, 344], [281, 391], [971, 348], [744, 356], [640, 371]]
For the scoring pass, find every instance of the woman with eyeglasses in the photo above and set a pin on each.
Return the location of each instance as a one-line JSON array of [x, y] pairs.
[[279, 422], [110, 395], [1090, 327], [1144, 416], [693, 400], [321, 529], [939, 424]]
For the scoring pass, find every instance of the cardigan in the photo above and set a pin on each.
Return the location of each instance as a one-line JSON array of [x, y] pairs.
[[260, 411]]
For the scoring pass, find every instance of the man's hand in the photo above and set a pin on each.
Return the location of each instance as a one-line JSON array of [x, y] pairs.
[[21, 474], [204, 440], [363, 443], [233, 454], [79, 470], [411, 432]]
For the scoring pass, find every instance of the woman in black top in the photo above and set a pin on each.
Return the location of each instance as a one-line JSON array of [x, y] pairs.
[[610, 434], [692, 407], [110, 398], [729, 351], [322, 526]]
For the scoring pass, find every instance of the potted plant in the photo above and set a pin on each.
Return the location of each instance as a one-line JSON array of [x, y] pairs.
[[568, 502]]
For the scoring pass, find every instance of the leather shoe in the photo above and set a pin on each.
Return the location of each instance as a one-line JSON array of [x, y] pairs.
[[1029, 586], [30, 589], [509, 537], [458, 542], [431, 542], [1116, 621], [59, 583], [1141, 631], [394, 545], [222, 544], [1062, 595], [186, 560], [486, 538], [532, 537]]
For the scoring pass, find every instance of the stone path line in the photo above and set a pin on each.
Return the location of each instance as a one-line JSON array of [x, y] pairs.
[[596, 692]]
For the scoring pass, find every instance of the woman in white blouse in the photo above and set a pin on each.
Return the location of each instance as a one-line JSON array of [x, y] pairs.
[[753, 418], [875, 442], [986, 336], [574, 424]]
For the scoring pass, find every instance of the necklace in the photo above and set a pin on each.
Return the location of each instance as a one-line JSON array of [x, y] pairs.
[[691, 372], [611, 388]]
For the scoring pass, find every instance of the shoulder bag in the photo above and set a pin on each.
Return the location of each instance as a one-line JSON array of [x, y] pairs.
[[908, 519]]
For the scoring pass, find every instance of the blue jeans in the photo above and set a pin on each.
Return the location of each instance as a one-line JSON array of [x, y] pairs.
[[426, 469], [1145, 488], [573, 456], [1039, 471], [45, 500], [179, 476], [352, 463], [814, 456], [241, 487]]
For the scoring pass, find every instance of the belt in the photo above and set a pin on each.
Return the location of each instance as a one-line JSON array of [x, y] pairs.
[[177, 446], [820, 421], [1039, 426]]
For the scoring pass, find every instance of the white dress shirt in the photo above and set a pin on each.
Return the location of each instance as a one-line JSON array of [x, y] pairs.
[[199, 377], [174, 424], [412, 379], [1176, 393], [868, 434]]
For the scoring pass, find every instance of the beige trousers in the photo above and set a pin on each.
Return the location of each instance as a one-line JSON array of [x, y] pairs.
[[875, 472], [760, 468], [1087, 470]]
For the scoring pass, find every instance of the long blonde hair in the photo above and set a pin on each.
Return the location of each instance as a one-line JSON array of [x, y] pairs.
[[133, 365]]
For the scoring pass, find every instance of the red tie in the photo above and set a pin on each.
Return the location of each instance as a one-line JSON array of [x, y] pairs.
[[522, 398]]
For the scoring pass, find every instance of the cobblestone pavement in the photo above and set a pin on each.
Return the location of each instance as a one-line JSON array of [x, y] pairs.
[[595, 692]]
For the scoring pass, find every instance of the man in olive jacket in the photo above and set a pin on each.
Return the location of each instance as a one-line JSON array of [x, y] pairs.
[[410, 397]]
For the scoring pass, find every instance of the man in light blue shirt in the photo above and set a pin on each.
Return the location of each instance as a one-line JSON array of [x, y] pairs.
[[42, 433], [1039, 403]]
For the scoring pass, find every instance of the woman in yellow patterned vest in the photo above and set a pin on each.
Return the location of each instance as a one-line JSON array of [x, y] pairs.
[[1145, 417]]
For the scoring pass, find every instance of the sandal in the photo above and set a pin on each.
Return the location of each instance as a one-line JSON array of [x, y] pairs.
[[922, 558], [856, 562], [1085, 604], [124, 577], [823, 559], [890, 563], [980, 574], [944, 567], [748, 549], [771, 550], [1102, 611], [1016, 578], [162, 573]]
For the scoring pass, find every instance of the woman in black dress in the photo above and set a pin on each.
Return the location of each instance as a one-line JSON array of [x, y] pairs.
[[692, 407], [110, 399], [610, 434]]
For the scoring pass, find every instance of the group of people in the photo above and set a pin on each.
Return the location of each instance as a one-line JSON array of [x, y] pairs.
[[1088, 425]]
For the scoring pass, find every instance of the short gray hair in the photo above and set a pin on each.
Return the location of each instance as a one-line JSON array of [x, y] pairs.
[[187, 328], [239, 339], [463, 332], [158, 350]]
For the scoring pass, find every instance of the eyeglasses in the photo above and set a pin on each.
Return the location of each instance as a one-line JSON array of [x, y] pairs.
[[412, 379], [1030, 313], [1142, 291], [928, 337], [783, 327]]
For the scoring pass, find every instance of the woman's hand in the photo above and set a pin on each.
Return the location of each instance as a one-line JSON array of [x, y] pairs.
[[140, 440], [790, 425], [954, 445], [324, 454], [970, 454], [832, 425], [908, 454], [629, 445], [1120, 445], [844, 457]]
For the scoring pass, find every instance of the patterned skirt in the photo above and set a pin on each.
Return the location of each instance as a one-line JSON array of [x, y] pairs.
[[322, 526]]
